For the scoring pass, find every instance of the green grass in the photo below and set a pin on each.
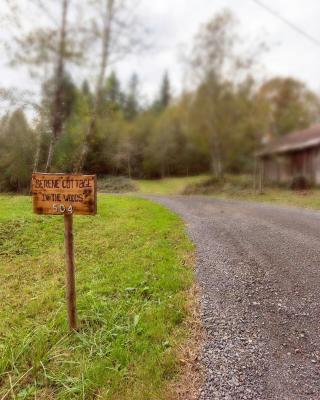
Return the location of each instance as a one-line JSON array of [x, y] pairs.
[[240, 187], [310, 199], [234, 187], [133, 273], [167, 186]]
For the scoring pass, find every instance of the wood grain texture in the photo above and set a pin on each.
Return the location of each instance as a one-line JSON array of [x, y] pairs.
[[58, 194], [70, 273]]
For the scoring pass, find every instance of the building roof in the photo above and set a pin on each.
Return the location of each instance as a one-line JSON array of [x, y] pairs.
[[295, 141]]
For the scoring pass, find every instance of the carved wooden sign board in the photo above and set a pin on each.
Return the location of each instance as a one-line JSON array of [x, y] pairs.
[[58, 194]]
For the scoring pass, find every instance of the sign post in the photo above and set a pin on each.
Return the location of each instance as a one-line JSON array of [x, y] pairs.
[[70, 272], [67, 195]]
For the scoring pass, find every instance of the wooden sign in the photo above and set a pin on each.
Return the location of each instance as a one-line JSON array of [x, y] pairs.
[[58, 194], [66, 194]]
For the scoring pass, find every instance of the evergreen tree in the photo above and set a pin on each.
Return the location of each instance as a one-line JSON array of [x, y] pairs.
[[164, 96], [85, 88], [132, 99], [165, 92], [17, 149], [112, 95]]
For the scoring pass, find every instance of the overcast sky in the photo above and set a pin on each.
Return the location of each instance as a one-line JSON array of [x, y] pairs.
[[174, 23]]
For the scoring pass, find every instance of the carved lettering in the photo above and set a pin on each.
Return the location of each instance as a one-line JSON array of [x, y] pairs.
[[58, 194]]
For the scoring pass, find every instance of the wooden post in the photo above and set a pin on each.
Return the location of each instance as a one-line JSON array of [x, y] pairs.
[[70, 272], [255, 176], [261, 178], [67, 195]]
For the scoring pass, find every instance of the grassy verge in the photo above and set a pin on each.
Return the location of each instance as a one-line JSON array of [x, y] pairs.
[[309, 199], [133, 273], [241, 188], [233, 187], [168, 186]]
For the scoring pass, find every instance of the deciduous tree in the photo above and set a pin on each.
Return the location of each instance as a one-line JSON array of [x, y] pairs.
[[116, 31], [46, 46], [289, 104]]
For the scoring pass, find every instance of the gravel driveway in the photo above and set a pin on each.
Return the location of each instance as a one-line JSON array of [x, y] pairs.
[[258, 268]]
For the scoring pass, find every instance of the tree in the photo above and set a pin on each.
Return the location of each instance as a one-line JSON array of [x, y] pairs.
[[217, 67], [112, 98], [116, 32], [125, 152], [47, 46], [132, 107], [85, 89], [69, 94], [17, 147], [57, 103], [164, 97], [169, 150], [289, 104]]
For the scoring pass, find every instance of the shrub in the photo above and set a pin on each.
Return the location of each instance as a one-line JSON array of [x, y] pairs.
[[300, 182], [116, 184], [229, 184]]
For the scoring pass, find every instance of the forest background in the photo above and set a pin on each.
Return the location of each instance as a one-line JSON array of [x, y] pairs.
[[104, 126]]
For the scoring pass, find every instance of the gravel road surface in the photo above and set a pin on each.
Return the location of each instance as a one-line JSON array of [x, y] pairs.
[[258, 268]]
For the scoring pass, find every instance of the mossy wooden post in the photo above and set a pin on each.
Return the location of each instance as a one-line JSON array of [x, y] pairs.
[[70, 273]]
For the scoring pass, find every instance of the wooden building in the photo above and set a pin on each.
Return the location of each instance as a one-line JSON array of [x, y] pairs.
[[293, 155]]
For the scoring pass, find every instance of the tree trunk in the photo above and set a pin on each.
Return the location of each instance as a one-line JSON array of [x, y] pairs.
[[100, 81], [129, 167], [163, 170], [57, 107], [50, 154], [37, 155], [216, 161]]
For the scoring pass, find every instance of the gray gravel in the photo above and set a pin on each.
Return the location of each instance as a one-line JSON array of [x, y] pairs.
[[258, 268]]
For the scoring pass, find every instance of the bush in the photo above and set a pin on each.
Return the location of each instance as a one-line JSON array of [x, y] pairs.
[[208, 186], [300, 182], [229, 184], [116, 184]]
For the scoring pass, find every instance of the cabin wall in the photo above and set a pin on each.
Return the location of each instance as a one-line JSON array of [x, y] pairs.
[[316, 166], [302, 163], [283, 168], [277, 169]]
